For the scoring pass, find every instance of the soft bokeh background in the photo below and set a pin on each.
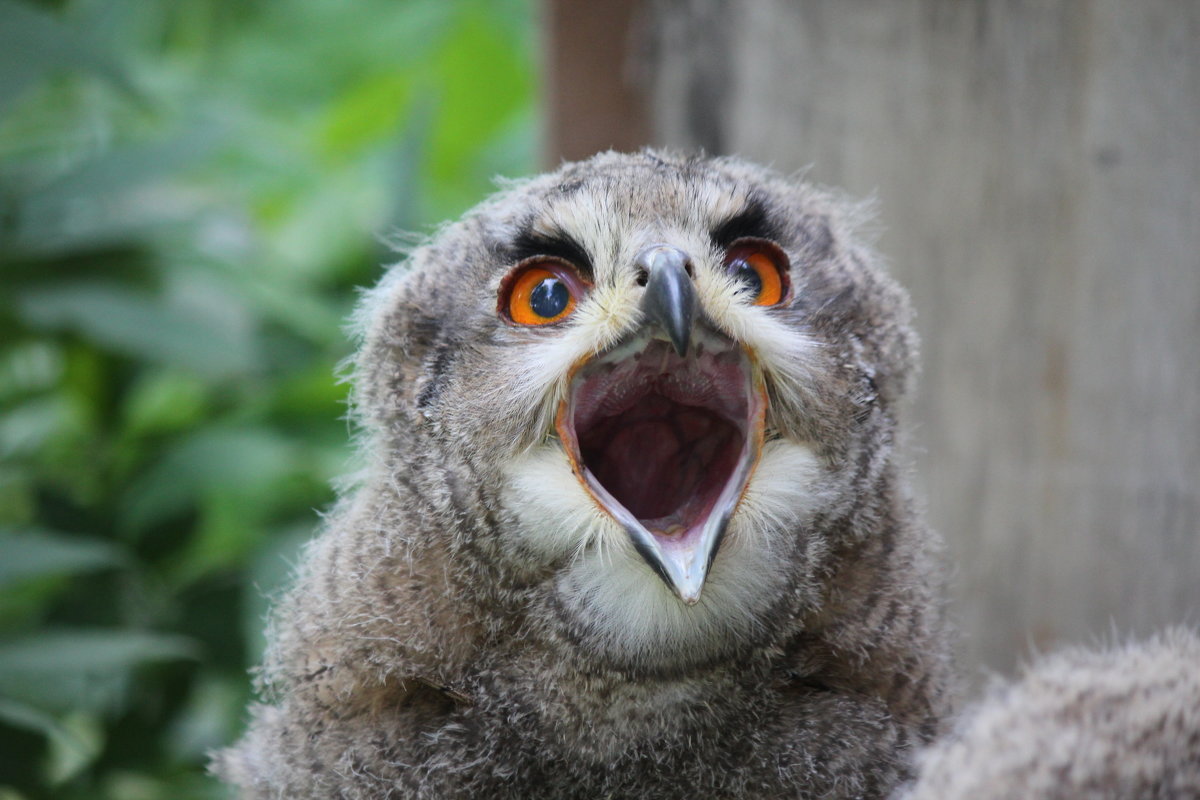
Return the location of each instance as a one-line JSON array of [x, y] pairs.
[[190, 190]]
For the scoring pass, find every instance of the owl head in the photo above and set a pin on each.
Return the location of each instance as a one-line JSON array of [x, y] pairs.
[[644, 387]]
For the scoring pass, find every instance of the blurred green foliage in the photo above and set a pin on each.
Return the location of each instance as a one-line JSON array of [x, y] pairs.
[[189, 192]]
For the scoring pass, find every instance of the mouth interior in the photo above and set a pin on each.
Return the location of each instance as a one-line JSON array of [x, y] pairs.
[[663, 434]]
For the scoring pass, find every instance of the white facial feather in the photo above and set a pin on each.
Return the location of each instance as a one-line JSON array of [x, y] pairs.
[[558, 519], [631, 611]]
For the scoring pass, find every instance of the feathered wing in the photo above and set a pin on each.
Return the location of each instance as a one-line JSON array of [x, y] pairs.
[[1082, 724]]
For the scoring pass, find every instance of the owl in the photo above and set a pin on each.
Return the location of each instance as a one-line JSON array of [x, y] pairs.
[[631, 520]]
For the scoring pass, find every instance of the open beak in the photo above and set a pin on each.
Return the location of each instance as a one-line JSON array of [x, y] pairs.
[[665, 429]]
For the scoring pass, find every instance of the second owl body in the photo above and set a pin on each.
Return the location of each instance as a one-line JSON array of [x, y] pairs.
[[659, 546]]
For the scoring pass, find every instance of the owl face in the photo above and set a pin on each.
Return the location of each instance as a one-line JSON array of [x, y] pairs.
[[654, 360]]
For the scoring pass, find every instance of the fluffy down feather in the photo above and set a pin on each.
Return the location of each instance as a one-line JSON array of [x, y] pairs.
[[1080, 725], [469, 623]]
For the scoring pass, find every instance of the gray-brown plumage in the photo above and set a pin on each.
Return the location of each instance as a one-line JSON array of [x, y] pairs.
[[658, 547], [1079, 725]]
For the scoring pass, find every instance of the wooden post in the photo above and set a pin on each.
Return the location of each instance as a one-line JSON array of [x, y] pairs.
[[592, 100]]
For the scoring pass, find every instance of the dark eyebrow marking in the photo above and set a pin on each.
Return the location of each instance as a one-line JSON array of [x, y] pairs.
[[556, 244], [752, 221]]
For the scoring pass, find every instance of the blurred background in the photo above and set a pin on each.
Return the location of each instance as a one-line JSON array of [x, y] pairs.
[[192, 190]]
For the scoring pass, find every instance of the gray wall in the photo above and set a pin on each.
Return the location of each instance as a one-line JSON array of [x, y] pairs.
[[1037, 171]]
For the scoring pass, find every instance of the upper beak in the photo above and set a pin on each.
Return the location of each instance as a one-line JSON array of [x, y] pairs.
[[669, 303], [669, 300]]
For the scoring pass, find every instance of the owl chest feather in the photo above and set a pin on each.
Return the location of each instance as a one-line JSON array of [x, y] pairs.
[[568, 732]]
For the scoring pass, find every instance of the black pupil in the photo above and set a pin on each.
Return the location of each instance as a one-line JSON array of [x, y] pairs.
[[549, 298], [748, 277]]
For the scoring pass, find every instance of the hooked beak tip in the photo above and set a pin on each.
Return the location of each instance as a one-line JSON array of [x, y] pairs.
[[688, 587]]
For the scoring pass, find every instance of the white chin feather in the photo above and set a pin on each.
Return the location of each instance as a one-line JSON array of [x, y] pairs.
[[626, 609]]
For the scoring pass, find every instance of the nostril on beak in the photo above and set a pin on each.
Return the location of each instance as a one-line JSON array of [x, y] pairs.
[[669, 300]]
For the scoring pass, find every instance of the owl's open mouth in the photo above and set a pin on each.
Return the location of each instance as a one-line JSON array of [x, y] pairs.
[[666, 444]]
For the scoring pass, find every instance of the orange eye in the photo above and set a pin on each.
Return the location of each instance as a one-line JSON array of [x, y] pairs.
[[539, 292], [761, 269]]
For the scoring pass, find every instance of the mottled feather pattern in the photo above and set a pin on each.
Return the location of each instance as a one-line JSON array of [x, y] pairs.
[[1082, 724], [467, 623]]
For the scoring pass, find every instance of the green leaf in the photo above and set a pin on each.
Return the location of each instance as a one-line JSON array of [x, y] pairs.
[[211, 718], [69, 757], [16, 495], [364, 115], [74, 742], [26, 428], [33, 43], [210, 460], [26, 717], [116, 196], [31, 366], [86, 651], [119, 170], [36, 554], [82, 669], [286, 300], [473, 109], [164, 401], [230, 526], [141, 325], [191, 784]]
